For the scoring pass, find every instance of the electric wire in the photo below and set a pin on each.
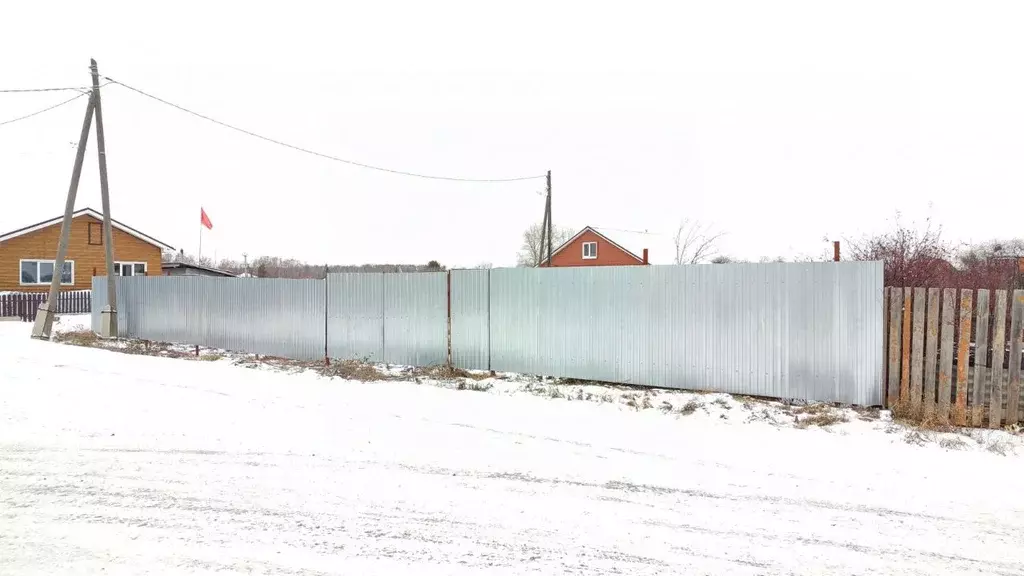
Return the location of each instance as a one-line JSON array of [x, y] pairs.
[[321, 154]]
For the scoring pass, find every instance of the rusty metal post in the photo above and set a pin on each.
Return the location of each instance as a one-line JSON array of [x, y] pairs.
[[835, 251]]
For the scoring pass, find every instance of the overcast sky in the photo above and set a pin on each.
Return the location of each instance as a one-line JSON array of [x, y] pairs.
[[780, 123]]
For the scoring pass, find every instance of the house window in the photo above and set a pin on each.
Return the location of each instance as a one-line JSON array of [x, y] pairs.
[[589, 250], [35, 272], [95, 234], [129, 268]]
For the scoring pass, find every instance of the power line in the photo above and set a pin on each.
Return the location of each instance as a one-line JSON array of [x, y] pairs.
[[644, 232], [320, 154], [27, 90], [12, 120]]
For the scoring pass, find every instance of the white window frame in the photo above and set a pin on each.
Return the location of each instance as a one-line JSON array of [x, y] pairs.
[[592, 256], [38, 281], [119, 266]]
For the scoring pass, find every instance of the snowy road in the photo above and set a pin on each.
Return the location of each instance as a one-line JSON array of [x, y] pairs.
[[128, 464]]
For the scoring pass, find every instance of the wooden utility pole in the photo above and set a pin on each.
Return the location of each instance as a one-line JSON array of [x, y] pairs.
[[548, 212], [108, 322], [44, 317]]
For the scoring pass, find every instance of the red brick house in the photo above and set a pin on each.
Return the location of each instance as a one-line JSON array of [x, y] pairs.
[[591, 248]]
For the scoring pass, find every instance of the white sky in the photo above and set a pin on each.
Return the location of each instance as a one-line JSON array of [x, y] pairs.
[[779, 122]]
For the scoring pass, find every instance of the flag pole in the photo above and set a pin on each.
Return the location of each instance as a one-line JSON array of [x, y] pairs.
[[199, 259]]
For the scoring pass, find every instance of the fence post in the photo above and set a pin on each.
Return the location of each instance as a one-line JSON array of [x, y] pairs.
[[963, 357], [327, 295], [449, 315], [895, 333]]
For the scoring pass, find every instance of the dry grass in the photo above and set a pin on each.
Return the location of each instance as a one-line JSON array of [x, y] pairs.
[[351, 370], [78, 338], [445, 372], [722, 403], [474, 385], [820, 415], [821, 420], [915, 417], [954, 443]]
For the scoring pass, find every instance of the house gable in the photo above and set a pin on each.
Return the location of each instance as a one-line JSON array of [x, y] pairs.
[[88, 212], [609, 253], [85, 249]]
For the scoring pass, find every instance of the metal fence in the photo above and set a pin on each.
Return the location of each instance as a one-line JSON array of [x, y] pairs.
[[808, 331], [395, 318], [271, 316]]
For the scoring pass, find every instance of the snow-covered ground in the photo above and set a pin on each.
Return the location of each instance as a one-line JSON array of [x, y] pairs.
[[127, 464]]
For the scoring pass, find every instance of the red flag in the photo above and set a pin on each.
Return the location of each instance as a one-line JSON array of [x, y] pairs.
[[205, 220]]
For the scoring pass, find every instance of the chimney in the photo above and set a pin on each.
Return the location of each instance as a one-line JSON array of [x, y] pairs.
[[645, 255], [835, 251]]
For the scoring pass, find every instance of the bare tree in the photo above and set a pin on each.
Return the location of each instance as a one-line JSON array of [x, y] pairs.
[[912, 255], [696, 242], [531, 253]]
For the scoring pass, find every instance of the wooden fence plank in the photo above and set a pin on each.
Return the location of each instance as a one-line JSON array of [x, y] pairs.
[[917, 353], [895, 338], [885, 344], [905, 347], [980, 361], [995, 400], [931, 348], [946, 355], [963, 357], [1016, 342]]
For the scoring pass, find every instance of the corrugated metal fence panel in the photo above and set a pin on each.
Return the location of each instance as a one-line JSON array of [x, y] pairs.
[[416, 318], [275, 316], [806, 331], [263, 316], [470, 335], [355, 316], [99, 302]]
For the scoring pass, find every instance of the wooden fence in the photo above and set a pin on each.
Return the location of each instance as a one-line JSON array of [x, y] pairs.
[[24, 305], [952, 358]]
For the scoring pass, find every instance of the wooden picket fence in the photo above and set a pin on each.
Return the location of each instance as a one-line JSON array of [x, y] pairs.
[[952, 358], [23, 305]]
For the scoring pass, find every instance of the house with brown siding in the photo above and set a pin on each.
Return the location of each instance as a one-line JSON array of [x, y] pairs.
[[27, 254], [591, 248]]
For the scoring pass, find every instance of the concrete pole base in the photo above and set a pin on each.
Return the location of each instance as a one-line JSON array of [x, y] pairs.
[[44, 322], [108, 323]]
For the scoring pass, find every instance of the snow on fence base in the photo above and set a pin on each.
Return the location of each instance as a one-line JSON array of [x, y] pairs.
[[800, 331], [24, 305]]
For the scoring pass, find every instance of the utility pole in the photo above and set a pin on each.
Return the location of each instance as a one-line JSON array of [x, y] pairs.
[[108, 317], [543, 234], [44, 317], [548, 212]]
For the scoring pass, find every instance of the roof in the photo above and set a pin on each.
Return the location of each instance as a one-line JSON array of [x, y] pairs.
[[602, 236], [186, 265], [87, 212]]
